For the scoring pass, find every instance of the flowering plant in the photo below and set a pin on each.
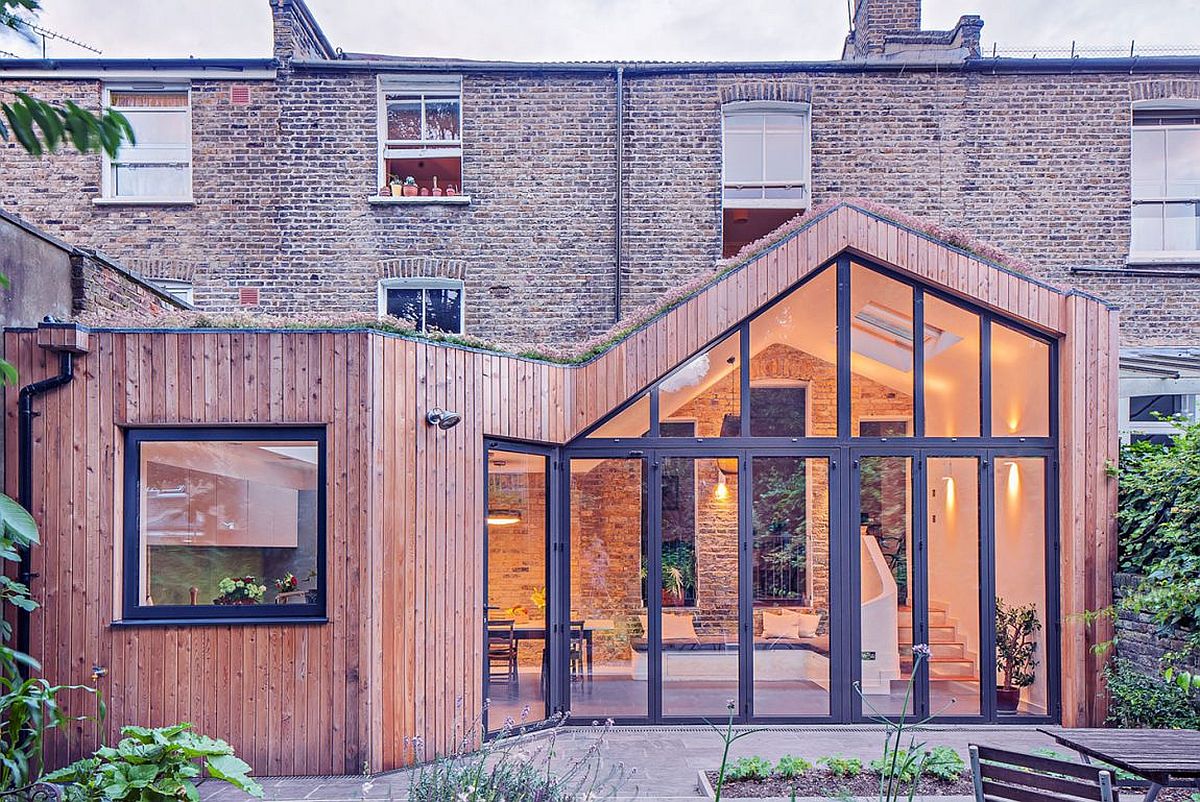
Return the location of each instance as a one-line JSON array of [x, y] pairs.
[[287, 583], [239, 590]]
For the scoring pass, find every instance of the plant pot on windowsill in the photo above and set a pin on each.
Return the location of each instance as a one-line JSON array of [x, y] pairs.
[[672, 599], [1007, 699], [223, 602]]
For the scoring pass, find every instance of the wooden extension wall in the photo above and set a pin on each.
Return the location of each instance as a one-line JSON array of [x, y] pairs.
[[401, 654]]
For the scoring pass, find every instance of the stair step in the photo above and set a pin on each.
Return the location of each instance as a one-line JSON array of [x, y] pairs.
[[954, 650], [937, 634], [936, 617]]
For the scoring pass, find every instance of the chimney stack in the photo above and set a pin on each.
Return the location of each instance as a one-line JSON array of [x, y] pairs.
[[890, 30]]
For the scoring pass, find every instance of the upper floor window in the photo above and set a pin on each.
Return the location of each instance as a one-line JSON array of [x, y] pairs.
[[766, 168], [178, 288], [430, 304], [157, 167], [420, 136], [1166, 183]]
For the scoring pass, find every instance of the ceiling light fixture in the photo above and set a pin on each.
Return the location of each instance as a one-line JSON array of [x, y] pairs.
[[503, 517]]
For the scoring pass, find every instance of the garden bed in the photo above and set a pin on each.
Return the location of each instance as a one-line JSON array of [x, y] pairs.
[[820, 782]]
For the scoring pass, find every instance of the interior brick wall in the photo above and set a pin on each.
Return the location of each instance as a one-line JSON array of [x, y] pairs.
[[1037, 164]]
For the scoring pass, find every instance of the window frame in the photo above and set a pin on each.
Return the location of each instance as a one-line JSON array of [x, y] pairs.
[[178, 288], [135, 613], [768, 107], [107, 185], [1165, 112], [424, 283], [427, 86]]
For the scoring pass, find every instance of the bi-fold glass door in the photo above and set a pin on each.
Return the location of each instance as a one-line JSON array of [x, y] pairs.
[[951, 557], [699, 578], [917, 582]]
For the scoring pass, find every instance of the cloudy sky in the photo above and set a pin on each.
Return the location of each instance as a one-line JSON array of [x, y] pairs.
[[588, 29]]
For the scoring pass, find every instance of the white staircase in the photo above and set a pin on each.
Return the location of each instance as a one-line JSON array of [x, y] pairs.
[[949, 659]]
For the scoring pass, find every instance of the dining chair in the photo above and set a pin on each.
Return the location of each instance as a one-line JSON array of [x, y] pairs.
[[502, 654], [577, 660]]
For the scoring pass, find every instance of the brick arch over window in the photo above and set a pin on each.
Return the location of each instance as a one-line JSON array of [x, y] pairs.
[[175, 269], [788, 91], [422, 267], [1172, 89]]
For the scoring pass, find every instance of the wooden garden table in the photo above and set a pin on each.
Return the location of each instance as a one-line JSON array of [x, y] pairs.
[[1166, 758]]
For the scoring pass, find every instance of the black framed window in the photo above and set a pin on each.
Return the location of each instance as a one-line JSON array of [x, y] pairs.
[[224, 523]]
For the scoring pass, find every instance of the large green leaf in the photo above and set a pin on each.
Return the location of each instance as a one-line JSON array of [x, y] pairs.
[[18, 525], [234, 771]]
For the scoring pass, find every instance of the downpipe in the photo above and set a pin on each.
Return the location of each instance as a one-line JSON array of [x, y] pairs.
[[25, 416]]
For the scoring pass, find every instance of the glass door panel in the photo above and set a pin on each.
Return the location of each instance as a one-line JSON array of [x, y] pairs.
[[885, 582], [790, 586], [699, 585], [952, 520], [608, 663], [1022, 686], [516, 671]]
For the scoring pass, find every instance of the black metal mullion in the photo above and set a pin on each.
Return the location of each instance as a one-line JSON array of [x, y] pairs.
[[918, 348], [918, 578], [653, 583], [842, 536], [843, 347], [744, 378], [745, 588], [852, 591], [655, 428], [985, 377], [987, 586]]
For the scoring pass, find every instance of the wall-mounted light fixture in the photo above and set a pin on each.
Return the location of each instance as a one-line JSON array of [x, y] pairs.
[[443, 418], [503, 517]]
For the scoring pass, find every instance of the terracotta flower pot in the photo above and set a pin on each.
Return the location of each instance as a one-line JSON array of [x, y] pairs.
[[410, 190]]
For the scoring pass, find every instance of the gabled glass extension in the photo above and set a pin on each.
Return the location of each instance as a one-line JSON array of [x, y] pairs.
[[864, 465]]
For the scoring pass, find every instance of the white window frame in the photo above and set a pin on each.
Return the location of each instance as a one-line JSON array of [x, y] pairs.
[[420, 283], [1130, 388], [429, 87], [107, 189], [178, 288], [1159, 256], [796, 108]]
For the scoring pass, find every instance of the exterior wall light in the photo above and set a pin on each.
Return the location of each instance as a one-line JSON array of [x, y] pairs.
[[443, 418]]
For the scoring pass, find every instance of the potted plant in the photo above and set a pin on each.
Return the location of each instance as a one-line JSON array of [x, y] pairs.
[[395, 186], [1016, 630], [288, 583], [410, 188], [678, 573], [239, 590]]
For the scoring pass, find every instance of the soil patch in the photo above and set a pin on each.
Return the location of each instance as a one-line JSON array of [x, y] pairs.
[[819, 782]]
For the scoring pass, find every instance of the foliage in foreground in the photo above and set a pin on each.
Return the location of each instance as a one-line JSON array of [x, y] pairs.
[[1137, 700], [153, 765], [515, 770]]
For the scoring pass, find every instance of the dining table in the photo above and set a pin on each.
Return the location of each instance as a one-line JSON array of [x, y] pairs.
[[535, 629], [1163, 758]]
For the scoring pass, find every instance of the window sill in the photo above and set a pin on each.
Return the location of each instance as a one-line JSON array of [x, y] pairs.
[[1163, 258], [390, 200], [278, 620], [143, 202]]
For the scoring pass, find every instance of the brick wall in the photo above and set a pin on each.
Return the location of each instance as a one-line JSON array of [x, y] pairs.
[[1036, 164], [1138, 641], [100, 287]]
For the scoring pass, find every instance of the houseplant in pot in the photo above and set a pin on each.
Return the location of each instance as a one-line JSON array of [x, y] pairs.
[[239, 590], [1016, 646], [678, 573]]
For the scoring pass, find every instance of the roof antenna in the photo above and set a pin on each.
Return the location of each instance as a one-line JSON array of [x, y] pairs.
[[47, 34]]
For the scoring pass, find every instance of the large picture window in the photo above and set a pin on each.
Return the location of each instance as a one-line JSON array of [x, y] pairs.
[[157, 166], [224, 523]]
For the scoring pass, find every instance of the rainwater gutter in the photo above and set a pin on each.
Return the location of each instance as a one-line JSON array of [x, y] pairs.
[[617, 284]]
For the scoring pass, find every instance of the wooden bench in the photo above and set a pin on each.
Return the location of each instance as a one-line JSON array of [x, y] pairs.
[[1003, 776]]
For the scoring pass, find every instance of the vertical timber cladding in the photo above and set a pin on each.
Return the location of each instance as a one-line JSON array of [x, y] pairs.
[[401, 655]]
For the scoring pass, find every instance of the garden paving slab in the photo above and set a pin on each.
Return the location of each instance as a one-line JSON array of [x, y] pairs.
[[664, 760]]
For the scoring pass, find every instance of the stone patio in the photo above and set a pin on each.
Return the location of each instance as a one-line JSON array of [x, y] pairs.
[[663, 761]]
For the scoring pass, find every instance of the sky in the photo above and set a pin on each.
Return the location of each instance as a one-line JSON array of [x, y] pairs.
[[538, 30]]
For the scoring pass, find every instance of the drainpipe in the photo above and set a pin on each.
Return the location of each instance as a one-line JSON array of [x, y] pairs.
[[620, 72], [25, 415]]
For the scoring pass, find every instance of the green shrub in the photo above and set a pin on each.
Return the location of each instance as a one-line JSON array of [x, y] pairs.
[[944, 764], [842, 766], [790, 767], [1136, 700], [900, 765], [153, 765], [749, 768]]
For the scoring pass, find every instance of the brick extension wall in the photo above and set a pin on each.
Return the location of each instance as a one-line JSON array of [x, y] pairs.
[[1037, 164], [1138, 641]]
